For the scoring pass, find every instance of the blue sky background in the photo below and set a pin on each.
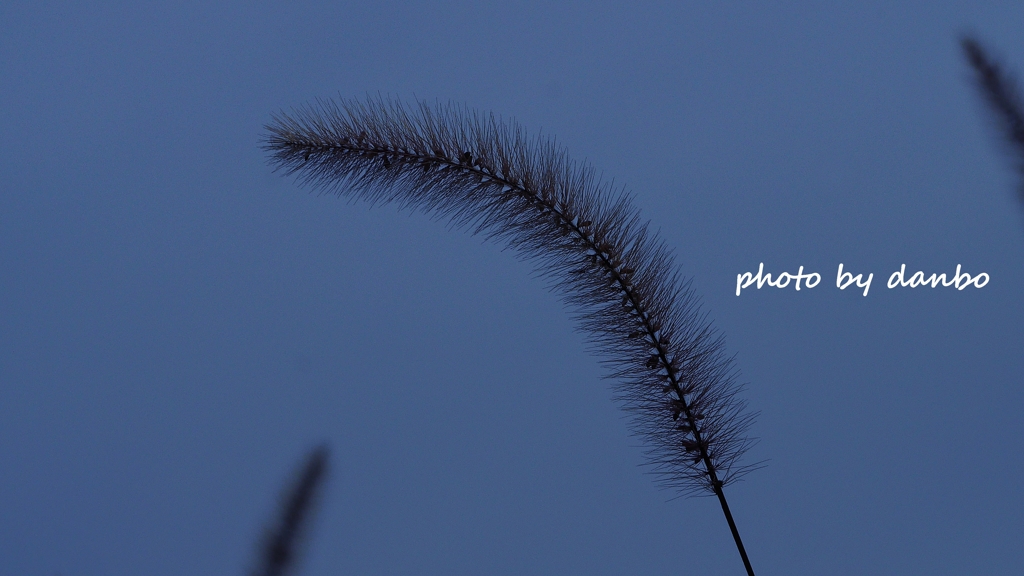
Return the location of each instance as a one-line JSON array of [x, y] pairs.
[[179, 325]]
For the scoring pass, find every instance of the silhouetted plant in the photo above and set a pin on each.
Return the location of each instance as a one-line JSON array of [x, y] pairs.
[[278, 554], [486, 175], [1000, 92]]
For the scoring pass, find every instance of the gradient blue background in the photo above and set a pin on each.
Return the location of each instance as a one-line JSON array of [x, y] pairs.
[[179, 325]]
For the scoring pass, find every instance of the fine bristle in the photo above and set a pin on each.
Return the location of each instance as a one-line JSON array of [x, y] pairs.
[[623, 287]]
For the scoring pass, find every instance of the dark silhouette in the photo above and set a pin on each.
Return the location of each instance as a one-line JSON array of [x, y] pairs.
[[1000, 92], [278, 553], [585, 237]]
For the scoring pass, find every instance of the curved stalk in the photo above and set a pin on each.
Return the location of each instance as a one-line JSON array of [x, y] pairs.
[[621, 280]]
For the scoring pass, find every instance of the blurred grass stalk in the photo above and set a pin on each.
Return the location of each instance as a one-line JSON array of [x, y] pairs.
[[280, 548], [999, 90]]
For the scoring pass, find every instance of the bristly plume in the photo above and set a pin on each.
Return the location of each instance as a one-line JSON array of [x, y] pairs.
[[280, 548], [621, 282], [1000, 91]]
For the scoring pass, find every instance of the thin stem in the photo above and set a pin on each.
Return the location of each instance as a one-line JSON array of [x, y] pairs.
[[735, 532]]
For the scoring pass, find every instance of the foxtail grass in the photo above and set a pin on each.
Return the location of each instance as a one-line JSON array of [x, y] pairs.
[[637, 311]]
